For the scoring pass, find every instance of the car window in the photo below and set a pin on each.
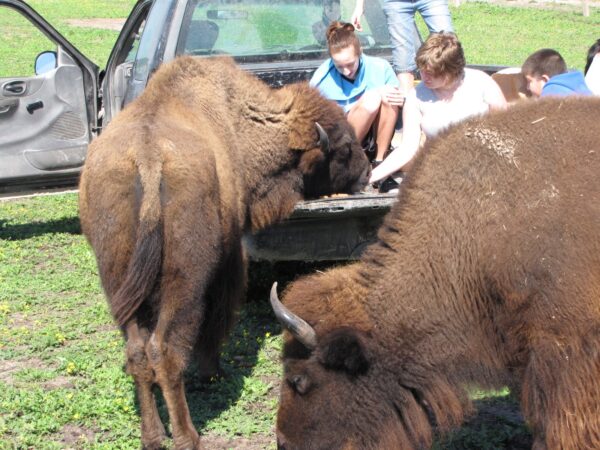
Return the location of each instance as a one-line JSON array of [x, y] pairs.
[[267, 31], [21, 43]]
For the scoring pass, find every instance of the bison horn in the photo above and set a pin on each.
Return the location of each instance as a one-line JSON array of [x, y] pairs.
[[291, 322], [323, 138]]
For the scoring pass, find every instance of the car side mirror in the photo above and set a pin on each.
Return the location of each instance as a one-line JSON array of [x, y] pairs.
[[45, 62]]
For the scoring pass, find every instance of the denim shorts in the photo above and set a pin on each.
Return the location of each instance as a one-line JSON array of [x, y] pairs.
[[403, 31]]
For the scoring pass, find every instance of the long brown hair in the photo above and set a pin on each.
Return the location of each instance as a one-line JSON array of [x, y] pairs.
[[340, 35]]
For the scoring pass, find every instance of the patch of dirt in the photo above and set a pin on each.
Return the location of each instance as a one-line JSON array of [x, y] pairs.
[[73, 436], [256, 442], [20, 320], [58, 383], [10, 366], [102, 24]]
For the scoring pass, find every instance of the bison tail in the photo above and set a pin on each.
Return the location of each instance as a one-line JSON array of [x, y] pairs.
[[140, 279], [145, 264]]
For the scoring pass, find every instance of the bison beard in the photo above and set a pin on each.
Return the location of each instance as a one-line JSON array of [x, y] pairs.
[[486, 272], [207, 153]]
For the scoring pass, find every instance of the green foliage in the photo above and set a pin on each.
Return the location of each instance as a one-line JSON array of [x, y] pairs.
[[274, 28], [506, 35], [501, 35]]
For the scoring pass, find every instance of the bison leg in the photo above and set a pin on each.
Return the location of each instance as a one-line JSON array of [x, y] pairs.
[[224, 297], [168, 350], [153, 431], [561, 393]]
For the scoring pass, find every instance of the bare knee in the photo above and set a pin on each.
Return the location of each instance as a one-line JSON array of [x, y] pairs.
[[371, 101]]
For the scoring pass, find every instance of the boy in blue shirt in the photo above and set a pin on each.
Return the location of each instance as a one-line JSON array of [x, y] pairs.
[[546, 74]]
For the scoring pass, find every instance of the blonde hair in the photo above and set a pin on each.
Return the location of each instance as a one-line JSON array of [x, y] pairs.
[[340, 35], [442, 54]]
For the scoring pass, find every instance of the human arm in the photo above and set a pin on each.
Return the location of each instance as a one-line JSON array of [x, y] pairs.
[[411, 138], [391, 93], [493, 95], [592, 77], [359, 9]]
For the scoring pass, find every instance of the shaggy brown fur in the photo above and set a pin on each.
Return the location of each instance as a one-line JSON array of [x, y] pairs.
[[486, 272], [205, 154]]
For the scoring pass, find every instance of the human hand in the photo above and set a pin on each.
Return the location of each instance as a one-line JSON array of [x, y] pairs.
[[392, 95], [355, 19]]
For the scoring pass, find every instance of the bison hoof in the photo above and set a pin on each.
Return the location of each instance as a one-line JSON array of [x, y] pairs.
[[194, 445]]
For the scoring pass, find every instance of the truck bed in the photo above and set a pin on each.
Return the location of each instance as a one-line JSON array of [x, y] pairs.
[[333, 228]]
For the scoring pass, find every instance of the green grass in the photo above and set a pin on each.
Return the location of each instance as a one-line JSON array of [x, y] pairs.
[[493, 34], [61, 358]]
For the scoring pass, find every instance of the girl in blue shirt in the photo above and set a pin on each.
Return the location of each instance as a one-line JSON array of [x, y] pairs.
[[364, 86]]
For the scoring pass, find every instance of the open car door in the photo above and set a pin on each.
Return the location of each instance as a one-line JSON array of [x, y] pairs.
[[48, 109]]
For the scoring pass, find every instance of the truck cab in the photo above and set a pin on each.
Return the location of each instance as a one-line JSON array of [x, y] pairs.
[[49, 116]]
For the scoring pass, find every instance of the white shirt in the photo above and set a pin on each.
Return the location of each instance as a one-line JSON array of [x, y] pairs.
[[592, 77], [471, 98]]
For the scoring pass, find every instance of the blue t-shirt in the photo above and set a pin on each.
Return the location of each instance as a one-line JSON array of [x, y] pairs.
[[569, 83], [372, 73]]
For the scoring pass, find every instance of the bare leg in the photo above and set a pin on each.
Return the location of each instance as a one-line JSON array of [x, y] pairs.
[[385, 129], [153, 431], [363, 114]]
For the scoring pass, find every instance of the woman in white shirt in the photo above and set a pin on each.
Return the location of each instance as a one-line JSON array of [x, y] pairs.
[[592, 68], [449, 93]]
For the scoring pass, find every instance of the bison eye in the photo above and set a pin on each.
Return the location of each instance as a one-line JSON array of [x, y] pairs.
[[299, 383]]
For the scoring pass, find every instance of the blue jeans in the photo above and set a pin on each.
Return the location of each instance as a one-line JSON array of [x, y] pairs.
[[403, 31]]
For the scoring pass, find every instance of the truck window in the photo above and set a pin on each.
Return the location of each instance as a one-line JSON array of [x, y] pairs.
[[266, 31], [16, 59]]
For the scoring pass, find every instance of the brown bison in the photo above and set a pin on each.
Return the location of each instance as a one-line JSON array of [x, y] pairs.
[[207, 153], [486, 272]]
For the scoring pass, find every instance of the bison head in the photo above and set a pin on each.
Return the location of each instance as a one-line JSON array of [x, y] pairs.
[[335, 396], [331, 159]]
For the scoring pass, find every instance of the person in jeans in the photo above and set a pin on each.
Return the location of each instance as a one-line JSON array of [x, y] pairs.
[[400, 15]]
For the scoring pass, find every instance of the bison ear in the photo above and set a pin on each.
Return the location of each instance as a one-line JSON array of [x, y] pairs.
[[310, 160], [343, 350], [308, 136]]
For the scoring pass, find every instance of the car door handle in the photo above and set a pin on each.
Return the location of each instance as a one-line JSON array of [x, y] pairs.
[[7, 105], [14, 88], [34, 106]]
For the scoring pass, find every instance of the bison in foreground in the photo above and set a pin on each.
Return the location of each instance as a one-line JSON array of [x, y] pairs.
[[486, 272], [205, 154]]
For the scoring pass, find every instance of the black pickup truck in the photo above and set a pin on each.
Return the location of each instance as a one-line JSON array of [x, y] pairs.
[[48, 118]]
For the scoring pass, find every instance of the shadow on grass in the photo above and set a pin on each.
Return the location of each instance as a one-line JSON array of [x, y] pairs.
[[496, 425], [208, 400], [18, 232]]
